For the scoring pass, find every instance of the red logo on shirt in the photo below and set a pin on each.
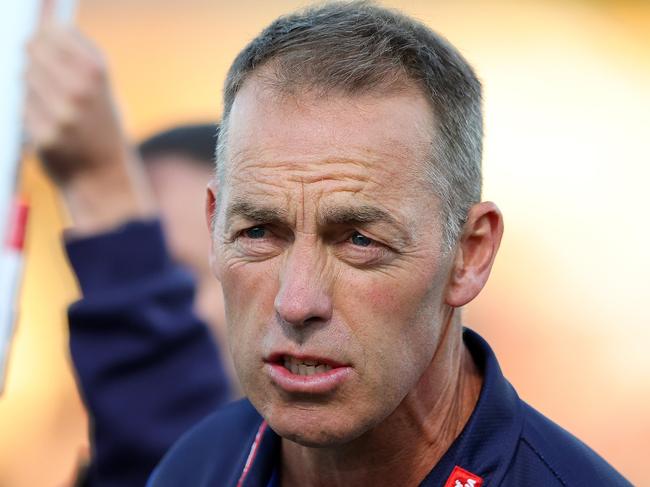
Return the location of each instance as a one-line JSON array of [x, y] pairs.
[[462, 478]]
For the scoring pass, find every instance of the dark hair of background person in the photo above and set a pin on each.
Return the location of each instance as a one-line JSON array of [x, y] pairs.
[[358, 48], [195, 141]]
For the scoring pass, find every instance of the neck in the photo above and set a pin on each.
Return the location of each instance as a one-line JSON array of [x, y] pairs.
[[404, 448]]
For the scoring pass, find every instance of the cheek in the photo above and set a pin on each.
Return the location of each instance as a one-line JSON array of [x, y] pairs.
[[249, 291], [402, 302], [396, 319]]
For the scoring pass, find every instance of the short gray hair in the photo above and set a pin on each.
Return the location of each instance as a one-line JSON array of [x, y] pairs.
[[357, 47]]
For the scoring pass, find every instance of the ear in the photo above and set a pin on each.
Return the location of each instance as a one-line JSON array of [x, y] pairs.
[[211, 205], [475, 254], [210, 216]]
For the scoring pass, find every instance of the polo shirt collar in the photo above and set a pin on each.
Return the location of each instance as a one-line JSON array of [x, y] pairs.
[[488, 441]]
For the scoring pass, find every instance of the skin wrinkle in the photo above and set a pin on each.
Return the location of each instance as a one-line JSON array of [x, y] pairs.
[[272, 184], [302, 206], [295, 171], [303, 99], [264, 190]]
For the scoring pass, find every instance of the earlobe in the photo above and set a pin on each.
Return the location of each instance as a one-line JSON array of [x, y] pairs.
[[476, 252]]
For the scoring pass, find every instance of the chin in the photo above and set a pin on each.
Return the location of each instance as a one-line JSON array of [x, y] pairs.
[[314, 437], [316, 428]]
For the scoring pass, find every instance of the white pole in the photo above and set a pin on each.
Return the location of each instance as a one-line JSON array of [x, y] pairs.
[[17, 21]]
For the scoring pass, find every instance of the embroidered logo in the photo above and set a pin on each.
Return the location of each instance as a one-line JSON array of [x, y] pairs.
[[462, 478]]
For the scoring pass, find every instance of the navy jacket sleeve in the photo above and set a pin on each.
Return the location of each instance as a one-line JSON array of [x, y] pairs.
[[147, 366]]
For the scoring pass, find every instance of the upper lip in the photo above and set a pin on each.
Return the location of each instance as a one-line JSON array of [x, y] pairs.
[[278, 358]]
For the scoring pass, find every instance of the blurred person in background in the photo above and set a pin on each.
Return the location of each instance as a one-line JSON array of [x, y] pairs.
[[178, 163], [144, 381]]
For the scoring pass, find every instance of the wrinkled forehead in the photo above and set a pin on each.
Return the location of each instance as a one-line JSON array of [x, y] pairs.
[[380, 130]]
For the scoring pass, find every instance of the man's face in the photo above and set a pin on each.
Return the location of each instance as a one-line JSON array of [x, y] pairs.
[[328, 247]]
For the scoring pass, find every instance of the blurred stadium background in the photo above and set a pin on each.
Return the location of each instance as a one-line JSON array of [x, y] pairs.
[[567, 108]]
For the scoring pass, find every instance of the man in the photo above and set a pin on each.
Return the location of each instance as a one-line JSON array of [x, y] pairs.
[[348, 232]]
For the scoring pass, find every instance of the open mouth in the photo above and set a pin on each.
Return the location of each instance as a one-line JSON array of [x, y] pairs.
[[306, 374], [304, 367]]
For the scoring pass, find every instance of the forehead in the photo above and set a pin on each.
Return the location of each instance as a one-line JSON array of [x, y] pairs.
[[373, 142]]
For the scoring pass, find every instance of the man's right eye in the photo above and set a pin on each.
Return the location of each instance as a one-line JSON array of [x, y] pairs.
[[258, 243], [255, 232]]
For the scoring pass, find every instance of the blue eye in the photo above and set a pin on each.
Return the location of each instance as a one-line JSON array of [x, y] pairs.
[[360, 240], [255, 232]]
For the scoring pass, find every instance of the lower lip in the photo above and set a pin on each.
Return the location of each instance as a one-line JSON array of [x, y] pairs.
[[307, 384]]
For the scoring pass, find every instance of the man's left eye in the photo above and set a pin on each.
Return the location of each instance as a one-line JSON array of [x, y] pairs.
[[361, 240]]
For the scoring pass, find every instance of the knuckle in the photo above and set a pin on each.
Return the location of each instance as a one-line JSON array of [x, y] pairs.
[[83, 91], [79, 90]]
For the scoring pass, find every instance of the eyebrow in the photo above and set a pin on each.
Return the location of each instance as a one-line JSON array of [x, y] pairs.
[[250, 211], [363, 215], [334, 215]]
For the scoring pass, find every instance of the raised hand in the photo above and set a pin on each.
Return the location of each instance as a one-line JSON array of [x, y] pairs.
[[71, 119]]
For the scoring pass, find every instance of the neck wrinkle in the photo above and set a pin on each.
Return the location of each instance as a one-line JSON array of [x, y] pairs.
[[404, 448]]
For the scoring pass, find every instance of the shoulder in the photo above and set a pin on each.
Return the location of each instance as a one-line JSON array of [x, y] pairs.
[[550, 455], [216, 448]]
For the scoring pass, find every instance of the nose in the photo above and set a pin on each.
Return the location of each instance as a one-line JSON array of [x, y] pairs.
[[303, 296]]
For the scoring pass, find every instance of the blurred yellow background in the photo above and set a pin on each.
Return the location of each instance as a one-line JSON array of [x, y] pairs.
[[567, 108]]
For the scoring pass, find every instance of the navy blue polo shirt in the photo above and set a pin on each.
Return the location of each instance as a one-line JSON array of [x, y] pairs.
[[504, 443]]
